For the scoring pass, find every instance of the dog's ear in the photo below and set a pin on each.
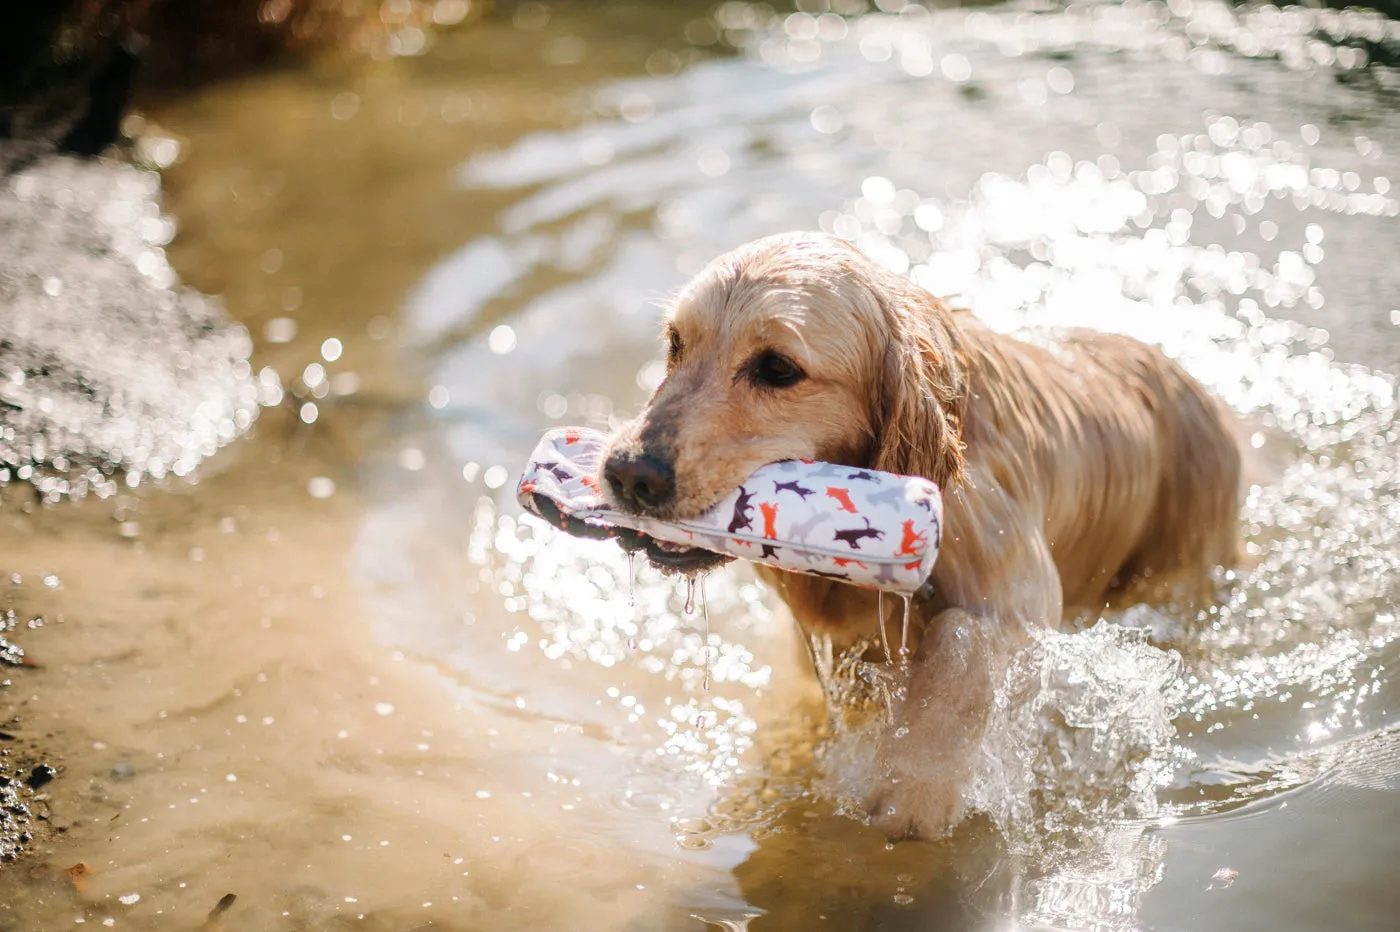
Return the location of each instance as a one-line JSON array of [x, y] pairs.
[[918, 417]]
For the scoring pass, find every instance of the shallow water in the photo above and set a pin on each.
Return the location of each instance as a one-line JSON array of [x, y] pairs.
[[341, 676]]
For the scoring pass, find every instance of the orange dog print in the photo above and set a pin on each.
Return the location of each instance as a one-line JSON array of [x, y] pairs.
[[770, 519], [843, 498], [911, 540]]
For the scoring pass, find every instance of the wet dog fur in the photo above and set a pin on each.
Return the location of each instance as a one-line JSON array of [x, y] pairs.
[[1072, 473]]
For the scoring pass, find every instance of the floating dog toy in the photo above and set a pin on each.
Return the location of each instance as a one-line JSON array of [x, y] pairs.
[[869, 528]]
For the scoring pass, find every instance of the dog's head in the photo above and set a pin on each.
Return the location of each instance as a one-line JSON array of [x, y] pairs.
[[792, 347]]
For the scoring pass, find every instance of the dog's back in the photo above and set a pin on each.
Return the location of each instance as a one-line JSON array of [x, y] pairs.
[[1134, 466]]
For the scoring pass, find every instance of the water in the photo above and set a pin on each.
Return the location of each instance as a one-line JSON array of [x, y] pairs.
[[435, 710], [705, 610], [110, 372], [631, 579], [904, 631], [880, 612]]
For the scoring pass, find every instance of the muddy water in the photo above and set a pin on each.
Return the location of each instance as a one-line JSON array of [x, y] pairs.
[[340, 676]]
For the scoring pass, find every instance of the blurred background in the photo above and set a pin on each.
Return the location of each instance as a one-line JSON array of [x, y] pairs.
[[288, 290]]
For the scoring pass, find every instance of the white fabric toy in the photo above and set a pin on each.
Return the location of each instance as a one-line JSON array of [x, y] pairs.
[[872, 529]]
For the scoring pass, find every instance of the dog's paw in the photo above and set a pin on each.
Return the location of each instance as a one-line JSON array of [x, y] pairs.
[[914, 809]]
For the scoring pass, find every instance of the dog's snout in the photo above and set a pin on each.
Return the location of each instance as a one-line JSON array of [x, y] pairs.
[[640, 479]]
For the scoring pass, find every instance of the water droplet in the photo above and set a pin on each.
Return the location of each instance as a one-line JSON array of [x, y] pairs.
[[345, 105], [280, 330], [501, 340], [690, 595]]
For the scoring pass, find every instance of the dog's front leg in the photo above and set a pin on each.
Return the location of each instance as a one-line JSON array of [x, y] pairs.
[[1006, 585], [927, 754]]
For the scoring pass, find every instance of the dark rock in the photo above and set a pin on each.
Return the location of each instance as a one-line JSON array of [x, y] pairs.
[[41, 775]]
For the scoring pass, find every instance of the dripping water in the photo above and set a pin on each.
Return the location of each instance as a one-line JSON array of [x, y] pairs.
[[880, 613], [632, 591], [823, 660], [705, 611], [690, 595], [904, 631], [631, 579]]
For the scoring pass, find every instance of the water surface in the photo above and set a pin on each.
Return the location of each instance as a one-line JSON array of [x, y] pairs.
[[342, 677]]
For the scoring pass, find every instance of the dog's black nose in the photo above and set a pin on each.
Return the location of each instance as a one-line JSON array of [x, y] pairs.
[[640, 479]]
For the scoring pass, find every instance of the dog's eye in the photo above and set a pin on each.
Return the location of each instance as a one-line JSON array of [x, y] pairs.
[[774, 370]]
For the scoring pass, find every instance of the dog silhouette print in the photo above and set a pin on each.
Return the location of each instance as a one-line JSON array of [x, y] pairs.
[[560, 473], [770, 519], [791, 487], [855, 535], [743, 512], [843, 498], [911, 540]]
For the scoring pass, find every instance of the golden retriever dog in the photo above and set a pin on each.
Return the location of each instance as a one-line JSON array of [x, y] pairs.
[[1070, 472]]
